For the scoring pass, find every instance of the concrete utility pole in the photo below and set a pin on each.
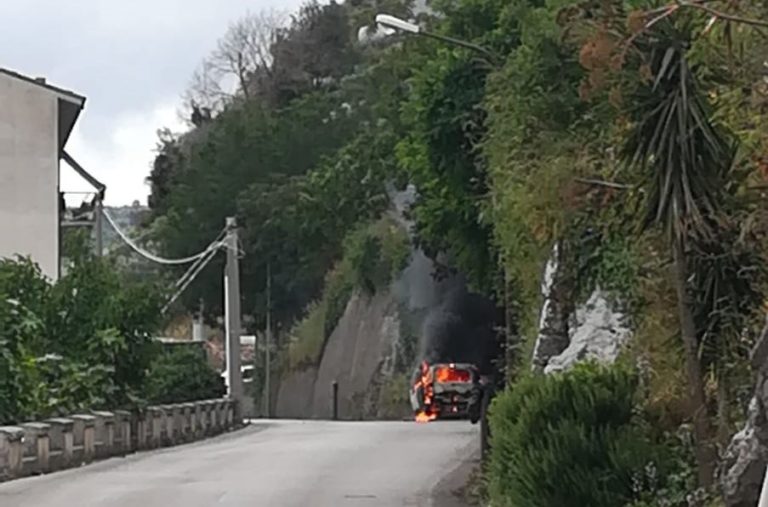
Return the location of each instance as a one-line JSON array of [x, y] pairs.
[[198, 325], [267, 352], [232, 318], [99, 225]]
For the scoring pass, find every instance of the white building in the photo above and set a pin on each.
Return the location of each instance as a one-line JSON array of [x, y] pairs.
[[36, 120]]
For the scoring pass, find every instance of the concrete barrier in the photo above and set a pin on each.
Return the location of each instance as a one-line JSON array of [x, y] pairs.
[[36, 459], [104, 434], [11, 452], [61, 438], [84, 437], [123, 432], [66, 442]]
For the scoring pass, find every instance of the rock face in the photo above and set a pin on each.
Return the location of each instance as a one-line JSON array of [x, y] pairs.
[[362, 343], [360, 349], [294, 396], [597, 331], [745, 459], [553, 321]]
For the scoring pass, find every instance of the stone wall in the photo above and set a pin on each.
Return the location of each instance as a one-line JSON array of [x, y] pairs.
[[67, 442]]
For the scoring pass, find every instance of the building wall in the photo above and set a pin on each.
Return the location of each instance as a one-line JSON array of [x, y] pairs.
[[29, 173]]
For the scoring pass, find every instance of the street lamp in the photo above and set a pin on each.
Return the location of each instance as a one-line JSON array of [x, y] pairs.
[[394, 23], [397, 23]]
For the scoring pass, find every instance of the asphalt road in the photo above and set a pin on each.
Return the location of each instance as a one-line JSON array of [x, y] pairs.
[[280, 463]]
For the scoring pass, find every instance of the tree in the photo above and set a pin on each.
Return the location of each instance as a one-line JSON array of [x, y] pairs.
[[81, 343], [241, 64], [445, 123], [686, 159]]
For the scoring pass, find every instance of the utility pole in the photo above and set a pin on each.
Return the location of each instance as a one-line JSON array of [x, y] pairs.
[[198, 325], [98, 218], [267, 352], [232, 318]]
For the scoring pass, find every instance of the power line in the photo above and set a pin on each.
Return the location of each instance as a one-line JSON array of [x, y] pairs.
[[193, 270], [152, 257], [190, 276]]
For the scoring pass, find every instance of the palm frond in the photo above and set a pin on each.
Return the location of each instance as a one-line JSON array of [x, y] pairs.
[[683, 155]]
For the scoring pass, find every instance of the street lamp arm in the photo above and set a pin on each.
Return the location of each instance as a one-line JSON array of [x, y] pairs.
[[490, 56], [395, 23]]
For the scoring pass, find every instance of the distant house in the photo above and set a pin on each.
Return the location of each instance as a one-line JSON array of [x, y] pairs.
[[36, 120]]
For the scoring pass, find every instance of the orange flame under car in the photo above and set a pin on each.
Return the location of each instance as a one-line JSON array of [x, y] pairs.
[[424, 417], [425, 382]]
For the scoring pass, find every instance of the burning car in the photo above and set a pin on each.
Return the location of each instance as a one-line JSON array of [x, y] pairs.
[[446, 390]]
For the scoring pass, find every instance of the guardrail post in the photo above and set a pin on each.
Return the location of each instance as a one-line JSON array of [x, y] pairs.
[[214, 420], [221, 409], [201, 419], [104, 431], [84, 432], [139, 427], [122, 432], [188, 415], [177, 430], [11, 452], [166, 425], [335, 400], [229, 404], [154, 421], [61, 442], [39, 445]]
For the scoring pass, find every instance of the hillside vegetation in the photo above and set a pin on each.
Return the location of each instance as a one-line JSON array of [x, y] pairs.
[[629, 135]]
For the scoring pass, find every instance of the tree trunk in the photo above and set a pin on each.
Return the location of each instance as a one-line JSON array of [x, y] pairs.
[[723, 408], [705, 453]]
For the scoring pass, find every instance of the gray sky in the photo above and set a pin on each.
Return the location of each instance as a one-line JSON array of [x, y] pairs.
[[132, 59]]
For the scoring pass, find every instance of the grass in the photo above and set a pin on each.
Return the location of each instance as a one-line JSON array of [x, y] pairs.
[[393, 398]]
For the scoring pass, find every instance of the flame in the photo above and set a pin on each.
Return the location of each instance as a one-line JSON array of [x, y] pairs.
[[425, 417], [452, 374], [425, 381]]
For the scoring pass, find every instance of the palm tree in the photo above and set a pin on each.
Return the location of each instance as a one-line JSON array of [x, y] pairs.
[[685, 159]]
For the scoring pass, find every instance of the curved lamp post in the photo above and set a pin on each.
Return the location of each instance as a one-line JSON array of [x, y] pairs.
[[402, 25]]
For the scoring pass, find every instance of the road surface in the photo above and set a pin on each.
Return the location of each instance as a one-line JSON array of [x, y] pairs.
[[274, 464]]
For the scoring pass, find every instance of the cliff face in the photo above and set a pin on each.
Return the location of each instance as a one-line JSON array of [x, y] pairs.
[[359, 355], [362, 352]]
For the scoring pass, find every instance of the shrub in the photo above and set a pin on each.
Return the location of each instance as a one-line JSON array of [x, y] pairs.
[[569, 439], [308, 337], [393, 400], [80, 343], [376, 253], [181, 374]]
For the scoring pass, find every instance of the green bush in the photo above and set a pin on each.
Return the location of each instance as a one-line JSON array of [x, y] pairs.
[[376, 253], [569, 440], [81, 343], [180, 374]]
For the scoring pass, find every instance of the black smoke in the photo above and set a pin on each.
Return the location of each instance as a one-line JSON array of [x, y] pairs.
[[462, 329]]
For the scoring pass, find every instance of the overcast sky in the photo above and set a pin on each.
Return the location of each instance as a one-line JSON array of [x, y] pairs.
[[132, 60]]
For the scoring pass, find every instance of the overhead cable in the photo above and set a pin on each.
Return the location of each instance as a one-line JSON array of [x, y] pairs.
[[190, 277], [152, 257]]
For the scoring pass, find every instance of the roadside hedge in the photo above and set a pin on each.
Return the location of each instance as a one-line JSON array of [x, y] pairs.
[[569, 439]]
